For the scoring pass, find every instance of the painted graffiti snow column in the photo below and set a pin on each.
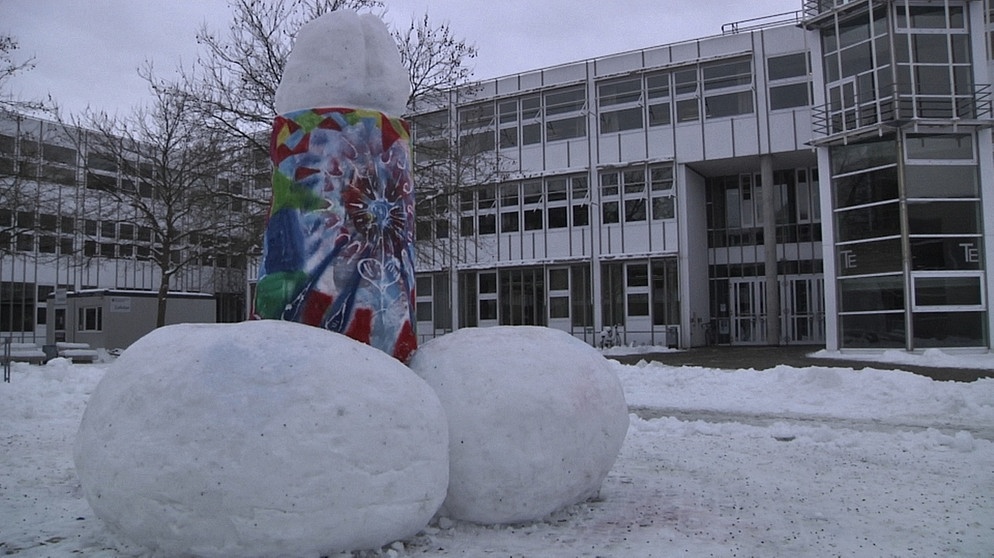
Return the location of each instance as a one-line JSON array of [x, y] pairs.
[[339, 244]]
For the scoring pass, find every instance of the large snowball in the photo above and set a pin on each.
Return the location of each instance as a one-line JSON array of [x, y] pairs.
[[536, 420], [343, 59], [264, 438]]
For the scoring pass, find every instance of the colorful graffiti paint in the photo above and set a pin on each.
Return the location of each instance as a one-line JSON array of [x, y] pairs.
[[339, 245]]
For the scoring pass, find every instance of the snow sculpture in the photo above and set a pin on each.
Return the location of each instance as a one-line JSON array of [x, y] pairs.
[[338, 247], [264, 438], [536, 420]]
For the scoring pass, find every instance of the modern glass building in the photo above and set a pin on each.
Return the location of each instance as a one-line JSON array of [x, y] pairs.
[[61, 230], [817, 177], [824, 177]]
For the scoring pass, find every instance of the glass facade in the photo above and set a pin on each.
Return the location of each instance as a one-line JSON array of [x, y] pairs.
[[907, 205]]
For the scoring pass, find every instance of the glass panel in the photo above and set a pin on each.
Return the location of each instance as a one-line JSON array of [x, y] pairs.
[[787, 96], [930, 49], [634, 210], [531, 134], [559, 279], [508, 111], [854, 157], [638, 275], [729, 104], [424, 311], [488, 283], [727, 74], [533, 219], [787, 66], [422, 285], [581, 215], [557, 217], [556, 189], [956, 253], [663, 208], [657, 86], [559, 307], [949, 329], [638, 304], [616, 121], [564, 129], [864, 258], [610, 212], [873, 331], [946, 146], [659, 114], [854, 30], [941, 181], [868, 187], [869, 222], [488, 309], [508, 222], [943, 217], [871, 293], [619, 92], [686, 110], [948, 291], [685, 81], [564, 101]]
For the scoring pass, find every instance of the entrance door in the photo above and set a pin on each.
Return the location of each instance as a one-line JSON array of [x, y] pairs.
[[559, 301], [748, 310], [638, 321], [803, 309]]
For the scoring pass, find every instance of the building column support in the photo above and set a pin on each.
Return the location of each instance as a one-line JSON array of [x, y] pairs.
[[772, 283]]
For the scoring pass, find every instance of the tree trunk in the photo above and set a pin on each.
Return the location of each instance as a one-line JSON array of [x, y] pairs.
[[162, 299]]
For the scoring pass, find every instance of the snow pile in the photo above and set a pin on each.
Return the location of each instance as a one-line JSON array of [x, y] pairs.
[[816, 391], [343, 59], [536, 420], [261, 438], [929, 357]]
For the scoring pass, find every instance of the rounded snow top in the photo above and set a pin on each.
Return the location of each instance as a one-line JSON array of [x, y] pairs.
[[343, 59]]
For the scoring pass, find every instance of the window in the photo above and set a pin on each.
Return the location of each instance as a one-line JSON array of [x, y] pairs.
[[657, 89], [91, 319], [625, 96], [734, 80], [789, 81], [59, 154], [563, 118]]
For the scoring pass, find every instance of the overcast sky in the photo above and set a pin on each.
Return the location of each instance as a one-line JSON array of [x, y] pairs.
[[87, 51]]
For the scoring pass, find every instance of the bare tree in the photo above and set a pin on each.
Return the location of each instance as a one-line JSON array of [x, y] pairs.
[[436, 62], [233, 85], [158, 171], [19, 193], [9, 67]]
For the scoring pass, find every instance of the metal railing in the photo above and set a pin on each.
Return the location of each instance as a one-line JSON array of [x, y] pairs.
[[752, 24], [900, 108], [6, 360], [814, 8]]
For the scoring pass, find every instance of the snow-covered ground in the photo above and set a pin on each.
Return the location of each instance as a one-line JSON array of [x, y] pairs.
[[784, 462]]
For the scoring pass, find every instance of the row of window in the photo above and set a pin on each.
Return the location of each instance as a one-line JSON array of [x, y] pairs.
[[627, 195], [716, 90]]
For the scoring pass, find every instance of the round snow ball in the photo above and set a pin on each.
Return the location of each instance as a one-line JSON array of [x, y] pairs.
[[264, 438], [536, 420]]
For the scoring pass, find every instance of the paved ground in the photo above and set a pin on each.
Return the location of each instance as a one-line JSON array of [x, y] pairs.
[[762, 358]]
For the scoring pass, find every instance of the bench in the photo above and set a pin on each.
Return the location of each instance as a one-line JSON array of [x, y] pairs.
[[78, 353], [24, 352]]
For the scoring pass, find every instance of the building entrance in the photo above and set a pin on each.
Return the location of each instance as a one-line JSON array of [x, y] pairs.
[[802, 318]]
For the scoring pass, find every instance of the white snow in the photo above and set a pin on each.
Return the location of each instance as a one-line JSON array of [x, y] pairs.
[[536, 420], [343, 59], [811, 461], [261, 438]]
